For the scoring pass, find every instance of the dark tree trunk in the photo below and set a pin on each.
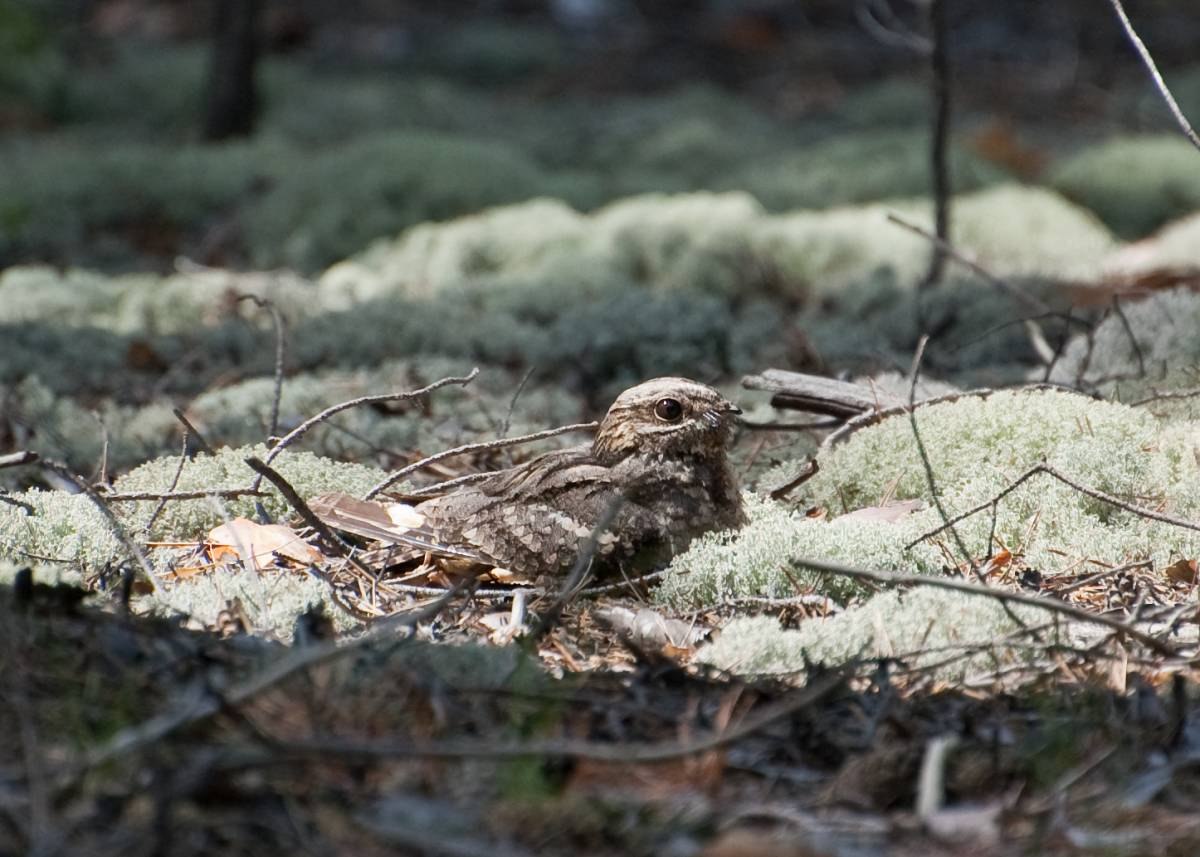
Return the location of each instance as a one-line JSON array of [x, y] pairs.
[[232, 100]]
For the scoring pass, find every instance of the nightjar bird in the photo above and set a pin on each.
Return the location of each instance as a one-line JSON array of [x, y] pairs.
[[657, 471]]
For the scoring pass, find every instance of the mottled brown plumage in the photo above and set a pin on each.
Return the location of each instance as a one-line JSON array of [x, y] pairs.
[[659, 457]]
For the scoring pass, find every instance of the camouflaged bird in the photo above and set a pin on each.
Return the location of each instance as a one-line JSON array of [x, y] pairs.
[[658, 467]]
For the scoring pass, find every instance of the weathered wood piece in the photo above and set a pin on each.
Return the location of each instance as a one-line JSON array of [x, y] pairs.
[[818, 395]]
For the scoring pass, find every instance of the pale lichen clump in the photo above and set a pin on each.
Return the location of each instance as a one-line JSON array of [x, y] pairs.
[[238, 414], [955, 634], [309, 474], [1158, 350], [754, 561], [718, 243], [69, 528], [62, 528], [977, 447], [61, 428], [269, 601], [993, 439]]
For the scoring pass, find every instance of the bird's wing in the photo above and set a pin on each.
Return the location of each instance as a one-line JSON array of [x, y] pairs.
[[547, 475]]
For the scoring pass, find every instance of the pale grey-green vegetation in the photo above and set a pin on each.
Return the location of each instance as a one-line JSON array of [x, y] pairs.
[[722, 567], [1133, 184], [426, 226], [69, 528], [270, 601], [954, 634], [724, 244], [309, 474], [1158, 350], [409, 149], [62, 528], [976, 447]]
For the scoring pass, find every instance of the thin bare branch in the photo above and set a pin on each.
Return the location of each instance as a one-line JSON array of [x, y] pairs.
[[16, 459], [187, 424], [395, 477], [1031, 302], [1155, 75], [202, 494], [938, 582], [306, 426], [162, 501], [1066, 480], [872, 417], [280, 353], [1159, 396], [512, 402], [1128, 328], [440, 487], [931, 481], [810, 470], [114, 525], [939, 146]]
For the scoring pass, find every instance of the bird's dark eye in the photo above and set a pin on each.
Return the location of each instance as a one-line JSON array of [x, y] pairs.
[[668, 410]]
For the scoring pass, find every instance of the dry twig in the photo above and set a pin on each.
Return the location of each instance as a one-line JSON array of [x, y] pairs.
[[306, 426], [395, 477], [1063, 607], [188, 427], [280, 353], [162, 502], [202, 494], [114, 525], [1155, 75], [16, 459], [1066, 480]]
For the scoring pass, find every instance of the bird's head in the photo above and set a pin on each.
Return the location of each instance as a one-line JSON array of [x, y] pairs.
[[666, 416]]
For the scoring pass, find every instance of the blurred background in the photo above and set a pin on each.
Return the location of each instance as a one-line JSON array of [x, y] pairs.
[[590, 192], [252, 133]]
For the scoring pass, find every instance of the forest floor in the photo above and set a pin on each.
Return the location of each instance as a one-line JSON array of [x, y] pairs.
[[571, 220]]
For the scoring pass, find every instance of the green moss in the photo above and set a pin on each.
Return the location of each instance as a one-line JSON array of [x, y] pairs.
[[1134, 184]]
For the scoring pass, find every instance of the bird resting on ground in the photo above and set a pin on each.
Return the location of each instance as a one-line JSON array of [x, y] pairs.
[[657, 472]]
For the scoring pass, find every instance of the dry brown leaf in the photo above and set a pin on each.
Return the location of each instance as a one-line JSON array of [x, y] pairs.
[[259, 546], [1182, 571]]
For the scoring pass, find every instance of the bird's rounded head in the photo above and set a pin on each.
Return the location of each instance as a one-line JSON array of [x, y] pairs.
[[666, 416]]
